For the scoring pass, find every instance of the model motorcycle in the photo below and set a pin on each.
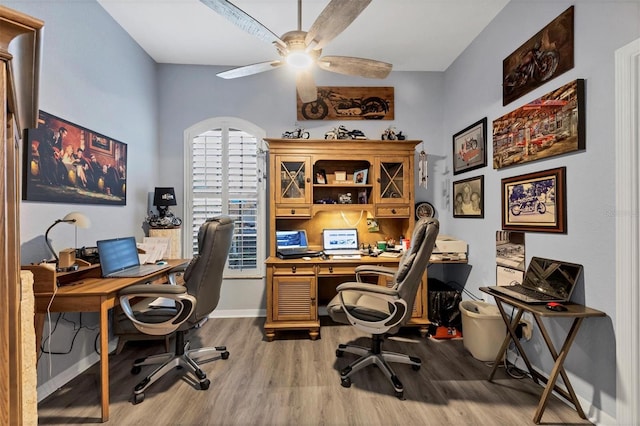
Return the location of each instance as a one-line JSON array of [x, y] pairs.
[[373, 108], [527, 205], [538, 65], [298, 133]]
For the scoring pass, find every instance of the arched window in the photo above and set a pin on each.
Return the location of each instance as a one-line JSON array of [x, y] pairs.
[[225, 174]]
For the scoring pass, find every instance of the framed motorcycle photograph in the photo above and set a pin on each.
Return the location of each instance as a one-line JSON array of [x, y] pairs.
[[543, 57], [470, 147], [535, 202]]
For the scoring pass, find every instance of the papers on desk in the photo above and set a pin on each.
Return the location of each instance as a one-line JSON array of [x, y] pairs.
[[153, 249]]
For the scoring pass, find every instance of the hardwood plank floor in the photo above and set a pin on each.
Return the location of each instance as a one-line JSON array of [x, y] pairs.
[[295, 381]]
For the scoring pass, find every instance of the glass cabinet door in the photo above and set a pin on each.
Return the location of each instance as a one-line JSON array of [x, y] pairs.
[[293, 180], [393, 180]]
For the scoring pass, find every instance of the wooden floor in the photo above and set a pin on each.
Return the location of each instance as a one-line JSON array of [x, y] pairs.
[[295, 381]]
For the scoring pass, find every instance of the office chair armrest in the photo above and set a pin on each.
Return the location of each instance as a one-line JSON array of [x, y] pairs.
[[184, 307], [374, 270], [368, 318], [175, 272]]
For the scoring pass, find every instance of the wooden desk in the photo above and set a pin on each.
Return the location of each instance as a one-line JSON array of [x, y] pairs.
[[85, 291], [296, 287], [576, 312]]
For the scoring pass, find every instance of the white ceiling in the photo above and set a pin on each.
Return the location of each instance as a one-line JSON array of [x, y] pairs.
[[413, 35]]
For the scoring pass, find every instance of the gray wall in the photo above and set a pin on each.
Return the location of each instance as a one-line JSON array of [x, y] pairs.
[[94, 75], [473, 91]]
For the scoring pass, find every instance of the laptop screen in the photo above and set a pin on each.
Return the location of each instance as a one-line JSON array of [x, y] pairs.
[[340, 239], [288, 240], [552, 277], [117, 254]]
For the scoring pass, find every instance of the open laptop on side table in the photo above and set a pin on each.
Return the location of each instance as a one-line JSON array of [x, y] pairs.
[[567, 274]]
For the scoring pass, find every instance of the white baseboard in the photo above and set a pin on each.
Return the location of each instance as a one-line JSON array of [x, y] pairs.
[[55, 383], [593, 414]]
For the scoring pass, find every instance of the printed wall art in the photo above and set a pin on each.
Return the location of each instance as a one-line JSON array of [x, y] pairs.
[[67, 163], [551, 125], [543, 57], [349, 103]]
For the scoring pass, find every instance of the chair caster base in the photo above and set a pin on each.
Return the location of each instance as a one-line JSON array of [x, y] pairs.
[[204, 385], [138, 398], [345, 382]]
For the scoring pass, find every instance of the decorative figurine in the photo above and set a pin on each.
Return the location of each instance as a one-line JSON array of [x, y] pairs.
[[298, 133]]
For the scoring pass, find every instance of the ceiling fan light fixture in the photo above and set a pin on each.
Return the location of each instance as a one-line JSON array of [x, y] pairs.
[[299, 60]]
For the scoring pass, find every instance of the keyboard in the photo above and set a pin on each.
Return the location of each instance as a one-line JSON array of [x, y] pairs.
[[530, 293], [346, 256]]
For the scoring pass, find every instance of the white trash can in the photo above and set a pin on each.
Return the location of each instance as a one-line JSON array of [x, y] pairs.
[[483, 329]]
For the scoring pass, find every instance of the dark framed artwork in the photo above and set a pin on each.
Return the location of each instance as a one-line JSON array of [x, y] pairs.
[[468, 195], [348, 103], [543, 57], [546, 127], [535, 202], [470, 147], [320, 177], [67, 163]]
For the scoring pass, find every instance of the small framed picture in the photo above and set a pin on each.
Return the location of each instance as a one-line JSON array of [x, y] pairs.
[[470, 147], [341, 176], [535, 202], [360, 176], [468, 197], [321, 177]]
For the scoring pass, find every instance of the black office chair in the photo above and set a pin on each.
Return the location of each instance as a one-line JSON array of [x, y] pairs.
[[190, 307], [383, 310]]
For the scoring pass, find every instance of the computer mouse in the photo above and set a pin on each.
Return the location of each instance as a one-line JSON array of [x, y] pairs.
[[555, 306], [161, 263], [306, 258]]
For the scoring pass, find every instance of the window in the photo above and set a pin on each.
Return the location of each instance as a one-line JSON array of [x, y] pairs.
[[225, 174]]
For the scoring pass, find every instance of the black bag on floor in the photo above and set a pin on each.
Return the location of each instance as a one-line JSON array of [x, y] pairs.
[[443, 305]]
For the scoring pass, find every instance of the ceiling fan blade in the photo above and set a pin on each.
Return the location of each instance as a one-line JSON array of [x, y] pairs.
[[306, 85], [334, 19], [243, 20], [250, 69], [361, 67]]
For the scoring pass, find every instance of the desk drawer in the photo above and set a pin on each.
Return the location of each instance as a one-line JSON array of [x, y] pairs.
[[293, 211], [393, 211], [297, 269], [328, 270]]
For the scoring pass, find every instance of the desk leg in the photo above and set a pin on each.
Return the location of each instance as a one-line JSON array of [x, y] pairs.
[[104, 359], [558, 368]]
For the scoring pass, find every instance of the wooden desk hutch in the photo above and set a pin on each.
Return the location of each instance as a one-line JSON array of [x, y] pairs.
[[309, 178]]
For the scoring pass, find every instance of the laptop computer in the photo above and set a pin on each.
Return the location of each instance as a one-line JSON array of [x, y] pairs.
[[341, 243], [545, 281], [119, 259], [294, 245]]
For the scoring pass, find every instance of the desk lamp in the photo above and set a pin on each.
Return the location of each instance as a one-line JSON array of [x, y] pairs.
[[163, 198], [74, 218]]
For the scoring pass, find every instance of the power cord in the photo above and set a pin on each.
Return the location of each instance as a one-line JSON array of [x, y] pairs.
[[456, 285]]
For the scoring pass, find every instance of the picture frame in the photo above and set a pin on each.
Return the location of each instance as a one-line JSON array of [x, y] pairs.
[[348, 103], [340, 176], [67, 163], [469, 198], [535, 202], [320, 177], [551, 125], [360, 176], [470, 147], [540, 59], [362, 197]]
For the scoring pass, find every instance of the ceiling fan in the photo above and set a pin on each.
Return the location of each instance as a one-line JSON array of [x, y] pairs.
[[301, 49]]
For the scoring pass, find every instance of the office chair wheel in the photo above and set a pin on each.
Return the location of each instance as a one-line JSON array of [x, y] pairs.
[[204, 385], [225, 355], [415, 367], [400, 395], [136, 369], [345, 382], [138, 398], [339, 353]]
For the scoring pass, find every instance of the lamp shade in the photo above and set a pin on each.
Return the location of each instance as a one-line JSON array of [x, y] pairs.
[[164, 196], [77, 219]]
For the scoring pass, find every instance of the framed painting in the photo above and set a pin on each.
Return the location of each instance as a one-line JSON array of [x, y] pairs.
[[469, 198], [67, 163], [348, 103], [546, 127], [535, 202], [360, 176], [470, 147], [543, 57]]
